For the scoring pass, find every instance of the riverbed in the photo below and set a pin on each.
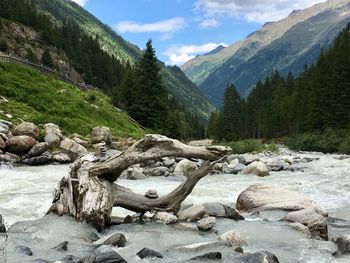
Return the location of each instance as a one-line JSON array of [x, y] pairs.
[[26, 194]]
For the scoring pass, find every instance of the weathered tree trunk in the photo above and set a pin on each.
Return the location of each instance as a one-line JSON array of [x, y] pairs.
[[89, 192]]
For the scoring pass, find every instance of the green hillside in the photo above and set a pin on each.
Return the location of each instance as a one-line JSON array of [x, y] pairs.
[[177, 84], [41, 99]]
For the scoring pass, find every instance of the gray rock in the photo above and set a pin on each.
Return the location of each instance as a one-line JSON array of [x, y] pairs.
[[157, 171], [197, 247], [343, 243], [240, 158], [135, 174], [148, 253], [51, 128], [308, 159], [109, 257], [27, 128], [187, 226], [165, 218], [185, 167], [151, 194], [257, 168], [206, 223], [4, 128], [313, 219], [43, 159], [24, 250], [192, 213], [52, 140], [101, 134], [73, 149], [208, 256], [261, 257], [7, 123], [168, 162], [20, 144], [221, 210], [38, 149], [61, 158], [2, 144], [276, 165], [62, 246], [232, 239], [81, 142], [10, 158], [117, 240]]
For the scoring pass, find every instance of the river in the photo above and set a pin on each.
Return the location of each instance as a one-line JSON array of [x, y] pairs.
[[26, 194]]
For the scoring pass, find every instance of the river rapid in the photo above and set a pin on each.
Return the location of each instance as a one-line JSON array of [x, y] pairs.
[[26, 194]]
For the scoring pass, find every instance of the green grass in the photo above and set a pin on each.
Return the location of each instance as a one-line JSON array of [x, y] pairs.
[[250, 146], [41, 99], [330, 141]]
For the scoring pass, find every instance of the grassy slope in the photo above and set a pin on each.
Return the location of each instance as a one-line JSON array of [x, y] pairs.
[[42, 99], [178, 85]]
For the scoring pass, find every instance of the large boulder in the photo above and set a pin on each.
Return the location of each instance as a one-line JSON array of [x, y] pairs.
[[20, 144], [52, 140], [27, 128], [43, 159], [61, 158], [38, 149], [101, 134], [10, 158], [258, 168], [313, 219], [185, 167], [267, 197], [73, 149]]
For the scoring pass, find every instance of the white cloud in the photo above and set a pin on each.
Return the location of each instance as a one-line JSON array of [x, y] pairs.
[[178, 55], [167, 27], [81, 2], [252, 10], [209, 22]]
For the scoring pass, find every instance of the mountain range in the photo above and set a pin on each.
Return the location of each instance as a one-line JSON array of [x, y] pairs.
[[286, 45]]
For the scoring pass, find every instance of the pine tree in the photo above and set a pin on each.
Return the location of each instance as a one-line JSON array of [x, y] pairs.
[[150, 96], [231, 117], [31, 56], [46, 59]]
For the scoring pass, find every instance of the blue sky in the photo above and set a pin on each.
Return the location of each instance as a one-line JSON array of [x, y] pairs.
[[182, 29]]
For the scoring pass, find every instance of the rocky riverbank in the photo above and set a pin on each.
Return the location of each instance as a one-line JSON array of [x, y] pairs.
[[254, 208], [27, 144]]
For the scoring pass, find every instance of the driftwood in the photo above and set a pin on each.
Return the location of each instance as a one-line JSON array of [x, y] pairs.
[[89, 192]]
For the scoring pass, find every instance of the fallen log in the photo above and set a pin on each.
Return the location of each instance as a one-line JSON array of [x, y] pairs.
[[89, 192]]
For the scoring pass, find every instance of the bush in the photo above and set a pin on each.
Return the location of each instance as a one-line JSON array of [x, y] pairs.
[[249, 146], [330, 141]]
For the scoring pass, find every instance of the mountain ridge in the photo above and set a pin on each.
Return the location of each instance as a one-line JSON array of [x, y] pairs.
[[214, 72]]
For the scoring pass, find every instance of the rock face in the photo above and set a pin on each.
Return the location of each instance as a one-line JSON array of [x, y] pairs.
[[20, 144], [73, 149], [117, 240], [233, 239], [185, 167], [192, 213], [101, 134], [268, 197], [27, 128], [257, 168]]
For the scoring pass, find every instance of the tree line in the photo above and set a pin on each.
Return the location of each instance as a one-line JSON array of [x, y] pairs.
[[317, 100], [138, 89]]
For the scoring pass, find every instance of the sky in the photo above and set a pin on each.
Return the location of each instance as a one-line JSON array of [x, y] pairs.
[[183, 29]]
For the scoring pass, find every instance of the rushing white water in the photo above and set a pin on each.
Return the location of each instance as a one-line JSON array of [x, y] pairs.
[[26, 193]]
